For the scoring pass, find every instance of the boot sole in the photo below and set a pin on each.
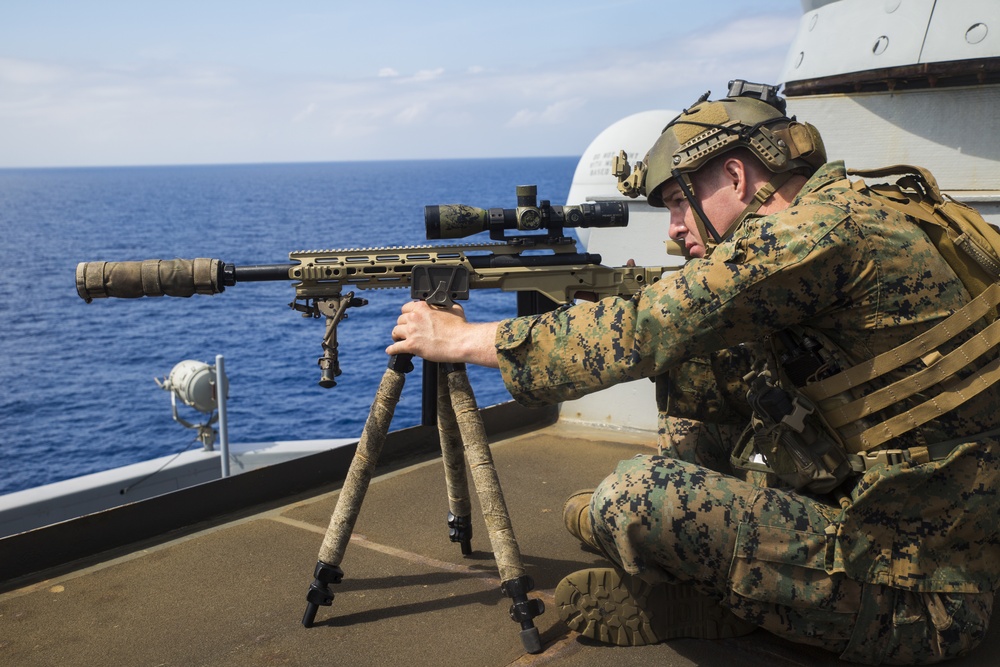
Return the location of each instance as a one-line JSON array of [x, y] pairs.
[[615, 608]]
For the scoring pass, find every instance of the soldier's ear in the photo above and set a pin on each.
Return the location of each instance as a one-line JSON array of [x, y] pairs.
[[736, 176]]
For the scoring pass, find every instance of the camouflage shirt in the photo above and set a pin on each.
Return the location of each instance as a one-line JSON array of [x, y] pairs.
[[859, 275]]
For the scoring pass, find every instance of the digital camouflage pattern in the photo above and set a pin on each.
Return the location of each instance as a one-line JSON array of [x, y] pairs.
[[901, 564], [764, 554], [702, 408]]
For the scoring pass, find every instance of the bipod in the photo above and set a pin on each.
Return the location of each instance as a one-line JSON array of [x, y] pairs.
[[459, 421]]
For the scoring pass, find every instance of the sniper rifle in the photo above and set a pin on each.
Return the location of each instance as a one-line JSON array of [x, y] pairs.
[[545, 261]]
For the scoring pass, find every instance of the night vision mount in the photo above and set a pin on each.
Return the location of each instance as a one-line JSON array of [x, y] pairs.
[[758, 91]]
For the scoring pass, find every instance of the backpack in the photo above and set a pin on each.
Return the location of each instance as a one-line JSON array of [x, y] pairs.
[[969, 244], [971, 247]]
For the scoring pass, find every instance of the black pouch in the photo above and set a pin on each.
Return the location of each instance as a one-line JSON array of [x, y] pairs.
[[788, 440]]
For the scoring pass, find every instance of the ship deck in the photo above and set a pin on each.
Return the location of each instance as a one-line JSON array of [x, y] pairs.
[[232, 592]]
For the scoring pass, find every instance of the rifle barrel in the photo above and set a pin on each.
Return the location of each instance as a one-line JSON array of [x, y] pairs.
[[256, 273]]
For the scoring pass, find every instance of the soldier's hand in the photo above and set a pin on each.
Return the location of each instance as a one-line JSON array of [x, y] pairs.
[[442, 334]]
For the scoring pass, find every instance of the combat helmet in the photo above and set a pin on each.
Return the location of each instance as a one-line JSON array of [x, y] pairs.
[[751, 116]]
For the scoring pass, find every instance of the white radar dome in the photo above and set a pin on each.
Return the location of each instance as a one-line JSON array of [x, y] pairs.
[[644, 238]]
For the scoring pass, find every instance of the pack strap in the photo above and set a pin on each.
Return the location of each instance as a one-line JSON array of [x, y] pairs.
[[924, 201], [914, 455], [920, 346], [957, 394], [939, 369], [930, 183]]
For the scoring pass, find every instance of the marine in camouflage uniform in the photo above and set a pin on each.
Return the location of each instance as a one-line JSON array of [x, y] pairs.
[[897, 560], [900, 564]]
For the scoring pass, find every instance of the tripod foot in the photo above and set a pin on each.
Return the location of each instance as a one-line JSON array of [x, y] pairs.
[[531, 640], [310, 615], [460, 530], [523, 610], [319, 593]]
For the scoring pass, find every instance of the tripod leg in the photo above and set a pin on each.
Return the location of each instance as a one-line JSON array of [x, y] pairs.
[[359, 475], [513, 581], [453, 454]]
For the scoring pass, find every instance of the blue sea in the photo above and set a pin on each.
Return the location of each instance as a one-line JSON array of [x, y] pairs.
[[77, 390]]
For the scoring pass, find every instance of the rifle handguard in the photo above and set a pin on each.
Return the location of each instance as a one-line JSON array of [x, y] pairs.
[[152, 277]]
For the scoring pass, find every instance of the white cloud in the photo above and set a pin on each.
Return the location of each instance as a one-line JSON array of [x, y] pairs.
[[305, 113], [352, 130], [158, 111], [25, 72], [410, 114], [427, 75], [742, 36], [554, 113]]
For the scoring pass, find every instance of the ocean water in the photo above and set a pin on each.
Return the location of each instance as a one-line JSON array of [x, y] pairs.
[[77, 390]]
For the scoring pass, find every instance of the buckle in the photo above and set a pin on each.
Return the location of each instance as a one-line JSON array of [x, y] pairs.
[[889, 457], [796, 419]]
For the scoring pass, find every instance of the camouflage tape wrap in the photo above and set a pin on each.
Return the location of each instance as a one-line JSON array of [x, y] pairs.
[[152, 277], [359, 475], [452, 451], [484, 476]]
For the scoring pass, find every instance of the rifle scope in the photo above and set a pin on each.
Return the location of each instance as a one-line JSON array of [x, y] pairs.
[[452, 221]]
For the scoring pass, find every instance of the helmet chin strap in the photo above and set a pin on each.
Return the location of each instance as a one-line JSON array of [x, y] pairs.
[[710, 237]]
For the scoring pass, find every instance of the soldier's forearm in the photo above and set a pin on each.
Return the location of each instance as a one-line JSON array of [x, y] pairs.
[[480, 344]]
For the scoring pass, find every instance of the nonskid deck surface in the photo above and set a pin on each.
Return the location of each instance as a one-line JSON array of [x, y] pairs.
[[235, 594]]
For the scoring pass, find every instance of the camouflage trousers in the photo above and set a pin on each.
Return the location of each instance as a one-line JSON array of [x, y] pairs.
[[670, 520]]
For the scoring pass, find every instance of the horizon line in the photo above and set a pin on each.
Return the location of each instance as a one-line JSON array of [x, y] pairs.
[[277, 162]]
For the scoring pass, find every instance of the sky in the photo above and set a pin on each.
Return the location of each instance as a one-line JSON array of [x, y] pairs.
[[131, 82]]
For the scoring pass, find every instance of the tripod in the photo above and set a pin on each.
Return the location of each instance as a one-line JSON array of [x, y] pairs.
[[463, 436]]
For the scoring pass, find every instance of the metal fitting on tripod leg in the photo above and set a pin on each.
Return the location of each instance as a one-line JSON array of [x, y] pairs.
[[401, 363]]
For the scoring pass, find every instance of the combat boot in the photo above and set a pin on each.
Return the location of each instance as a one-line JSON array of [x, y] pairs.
[[613, 607], [576, 516]]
